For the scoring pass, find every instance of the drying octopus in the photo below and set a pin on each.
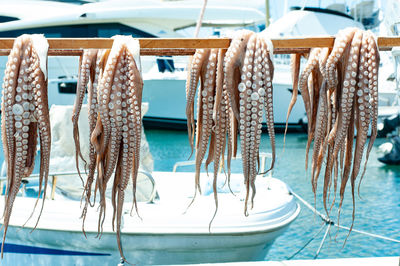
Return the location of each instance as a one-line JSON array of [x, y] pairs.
[[235, 90], [91, 68], [339, 87], [24, 113], [114, 97]]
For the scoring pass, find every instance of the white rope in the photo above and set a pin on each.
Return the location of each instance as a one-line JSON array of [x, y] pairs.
[[368, 234], [330, 222], [307, 243], [323, 240]]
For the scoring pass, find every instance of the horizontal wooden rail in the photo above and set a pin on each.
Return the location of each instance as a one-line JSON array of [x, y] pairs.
[[187, 46]]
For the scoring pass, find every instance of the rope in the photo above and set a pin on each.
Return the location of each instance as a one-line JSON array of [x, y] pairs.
[[368, 234], [323, 240], [307, 243], [330, 222]]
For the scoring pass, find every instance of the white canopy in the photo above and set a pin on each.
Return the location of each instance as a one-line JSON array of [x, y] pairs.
[[156, 17], [308, 23]]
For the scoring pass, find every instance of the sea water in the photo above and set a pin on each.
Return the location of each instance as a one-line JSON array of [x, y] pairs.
[[377, 211]]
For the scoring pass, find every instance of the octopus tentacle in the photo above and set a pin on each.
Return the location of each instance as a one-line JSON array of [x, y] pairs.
[[362, 108], [320, 133], [257, 102], [87, 61], [342, 41], [13, 68], [245, 112], [135, 117], [96, 71], [373, 65], [311, 64], [25, 108], [349, 85], [338, 133], [194, 70], [220, 125], [233, 59], [206, 104], [295, 67], [111, 85], [266, 93]]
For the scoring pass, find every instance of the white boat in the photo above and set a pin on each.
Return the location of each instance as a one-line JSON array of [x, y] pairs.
[[164, 234], [167, 232]]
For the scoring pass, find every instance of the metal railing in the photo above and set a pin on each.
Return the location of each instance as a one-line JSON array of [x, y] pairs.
[[56, 175], [263, 160]]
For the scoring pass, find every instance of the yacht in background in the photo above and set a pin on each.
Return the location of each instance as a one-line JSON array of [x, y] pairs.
[[165, 77]]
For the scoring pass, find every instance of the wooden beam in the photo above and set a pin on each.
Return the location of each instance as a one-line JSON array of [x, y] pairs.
[[187, 46], [106, 43]]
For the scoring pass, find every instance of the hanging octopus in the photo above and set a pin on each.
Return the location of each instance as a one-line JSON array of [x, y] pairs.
[[92, 99], [339, 89], [90, 71], [235, 90], [24, 113], [249, 59], [117, 131], [85, 80]]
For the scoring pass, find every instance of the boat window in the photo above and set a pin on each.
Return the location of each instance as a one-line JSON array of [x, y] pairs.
[[165, 63], [107, 32], [7, 19], [104, 30], [111, 29], [66, 86]]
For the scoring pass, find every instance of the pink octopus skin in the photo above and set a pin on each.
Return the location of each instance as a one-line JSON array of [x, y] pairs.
[[87, 62], [24, 112]]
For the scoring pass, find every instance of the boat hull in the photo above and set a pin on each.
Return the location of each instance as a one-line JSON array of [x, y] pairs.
[[163, 234], [42, 248]]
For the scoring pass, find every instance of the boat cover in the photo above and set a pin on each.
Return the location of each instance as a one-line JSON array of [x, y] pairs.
[[62, 158]]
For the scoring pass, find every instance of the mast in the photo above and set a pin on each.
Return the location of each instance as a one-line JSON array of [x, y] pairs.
[[267, 17]]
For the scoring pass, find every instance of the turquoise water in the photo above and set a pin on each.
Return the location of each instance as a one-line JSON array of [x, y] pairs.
[[376, 212]]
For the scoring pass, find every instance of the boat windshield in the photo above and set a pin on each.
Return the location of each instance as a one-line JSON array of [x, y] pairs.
[[104, 30]]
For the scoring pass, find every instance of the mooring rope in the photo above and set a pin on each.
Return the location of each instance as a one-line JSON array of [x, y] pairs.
[[329, 223], [323, 240], [306, 244]]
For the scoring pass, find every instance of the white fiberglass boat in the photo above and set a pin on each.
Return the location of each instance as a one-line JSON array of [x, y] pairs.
[[164, 233]]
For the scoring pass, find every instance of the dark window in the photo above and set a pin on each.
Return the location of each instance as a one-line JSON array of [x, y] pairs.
[[104, 30], [66, 87]]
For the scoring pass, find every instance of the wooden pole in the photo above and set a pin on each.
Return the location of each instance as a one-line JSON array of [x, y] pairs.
[[187, 46]]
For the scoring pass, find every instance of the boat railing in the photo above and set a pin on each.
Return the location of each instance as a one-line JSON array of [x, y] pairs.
[[263, 160], [145, 176]]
